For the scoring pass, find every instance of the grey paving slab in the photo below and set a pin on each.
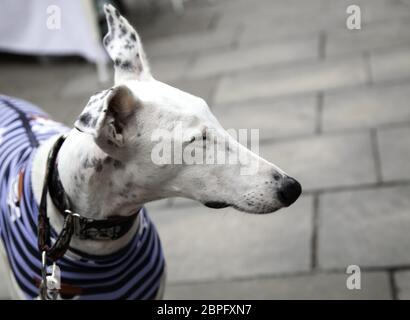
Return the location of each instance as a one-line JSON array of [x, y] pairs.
[[60, 89], [35, 80], [202, 244], [163, 204], [86, 83], [370, 37], [4, 291], [366, 107], [209, 41], [296, 79], [394, 148], [329, 161], [280, 6], [273, 32], [282, 28], [255, 56], [274, 118], [375, 285], [170, 23], [168, 204], [170, 69], [402, 280], [364, 227], [184, 202], [329, 18], [269, 10], [65, 110], [392, 64]]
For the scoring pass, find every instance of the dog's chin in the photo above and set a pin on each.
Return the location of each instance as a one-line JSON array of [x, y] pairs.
[[254, 210], [257, 210]]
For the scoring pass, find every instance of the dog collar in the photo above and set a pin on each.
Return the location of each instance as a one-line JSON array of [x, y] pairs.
[[74, 224]]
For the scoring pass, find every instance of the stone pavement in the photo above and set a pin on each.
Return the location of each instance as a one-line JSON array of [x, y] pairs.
[[332, 106]]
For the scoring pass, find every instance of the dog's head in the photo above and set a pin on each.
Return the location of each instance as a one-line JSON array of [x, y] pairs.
[[169, 143]]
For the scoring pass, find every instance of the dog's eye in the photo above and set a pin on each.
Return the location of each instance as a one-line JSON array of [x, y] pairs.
[[193, 139], [203, 137]]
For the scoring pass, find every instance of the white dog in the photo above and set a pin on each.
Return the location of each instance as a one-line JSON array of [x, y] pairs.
[[75, 197]]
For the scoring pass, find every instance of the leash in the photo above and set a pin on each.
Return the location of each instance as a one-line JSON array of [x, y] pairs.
[[74, 224]]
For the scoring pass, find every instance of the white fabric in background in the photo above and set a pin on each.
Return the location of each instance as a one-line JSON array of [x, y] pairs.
[[23, 29]]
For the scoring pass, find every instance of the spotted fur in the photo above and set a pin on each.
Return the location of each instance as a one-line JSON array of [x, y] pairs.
[[124, 47]]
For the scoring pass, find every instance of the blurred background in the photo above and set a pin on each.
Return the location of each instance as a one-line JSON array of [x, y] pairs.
[[332, 106]]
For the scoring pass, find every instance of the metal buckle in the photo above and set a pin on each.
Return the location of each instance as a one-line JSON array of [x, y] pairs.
[[49, 285], [76, 222], [91, 233]]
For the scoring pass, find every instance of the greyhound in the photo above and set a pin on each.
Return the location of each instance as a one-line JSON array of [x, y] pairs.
[[75, 197]]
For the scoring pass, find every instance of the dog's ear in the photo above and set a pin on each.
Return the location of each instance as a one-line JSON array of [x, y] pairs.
[[106, 115], [124, 47]]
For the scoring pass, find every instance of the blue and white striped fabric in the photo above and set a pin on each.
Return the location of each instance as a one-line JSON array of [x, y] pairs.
[[132, 273]]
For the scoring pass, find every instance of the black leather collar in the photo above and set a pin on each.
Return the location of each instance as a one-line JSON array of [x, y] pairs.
[[107, 229], [74, 223]]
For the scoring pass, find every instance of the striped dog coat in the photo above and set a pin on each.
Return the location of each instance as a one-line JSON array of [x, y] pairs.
[[134, 272]]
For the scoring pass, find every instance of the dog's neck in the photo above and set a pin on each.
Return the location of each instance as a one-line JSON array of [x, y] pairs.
[[95, 183]]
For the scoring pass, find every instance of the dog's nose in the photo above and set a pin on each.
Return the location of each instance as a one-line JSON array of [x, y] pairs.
[[289, 191]]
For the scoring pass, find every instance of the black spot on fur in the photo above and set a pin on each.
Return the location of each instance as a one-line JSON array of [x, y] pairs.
[[128, 45], [99, 166], [107, 40], [107, 160], [122, 194], [127, 65], [123, 30], [85, 118], [110, 20], [117, 13], [133, 36], [85, 164], [92, 163], [118, 164]]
